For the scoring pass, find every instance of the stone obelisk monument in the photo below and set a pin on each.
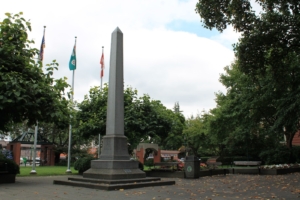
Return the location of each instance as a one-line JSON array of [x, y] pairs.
[[114, 162]]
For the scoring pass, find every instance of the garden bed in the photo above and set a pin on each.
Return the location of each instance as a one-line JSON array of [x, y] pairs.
[[181, 174], [262, 171], [279, 171], [207, 172]]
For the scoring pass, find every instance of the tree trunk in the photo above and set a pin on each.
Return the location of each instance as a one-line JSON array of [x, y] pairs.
[[289, 139]]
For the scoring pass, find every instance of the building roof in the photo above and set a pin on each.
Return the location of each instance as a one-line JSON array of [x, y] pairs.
[[28, 138]]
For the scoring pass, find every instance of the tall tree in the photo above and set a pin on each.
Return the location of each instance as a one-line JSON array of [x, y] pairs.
[[268, 50], [175, 138], [244, 115], [26, 92], [145, 119]]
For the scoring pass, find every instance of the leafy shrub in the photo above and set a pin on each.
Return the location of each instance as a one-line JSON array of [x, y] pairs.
[[296, 153], [12, 167], [83, 164], [149, 162], [7, 163], [62, 163], [204, 159], [279, 155]]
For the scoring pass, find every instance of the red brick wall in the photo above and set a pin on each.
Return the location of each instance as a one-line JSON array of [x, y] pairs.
[[296, 139], [16, 149], [140, 155], [50, 157], [157, 157]]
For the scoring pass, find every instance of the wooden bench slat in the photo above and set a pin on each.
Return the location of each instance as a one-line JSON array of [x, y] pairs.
[[253, 163]]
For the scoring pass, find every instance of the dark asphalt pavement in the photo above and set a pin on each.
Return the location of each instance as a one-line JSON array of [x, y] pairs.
[[231, 186]]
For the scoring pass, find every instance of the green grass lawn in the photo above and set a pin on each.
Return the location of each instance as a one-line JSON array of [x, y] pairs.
[[45, 170]]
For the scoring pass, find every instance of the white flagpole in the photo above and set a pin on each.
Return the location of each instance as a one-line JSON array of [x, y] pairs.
[[99, 140], [34, 148], [36, 126], [70, 127], [101, 69], [99, 145]]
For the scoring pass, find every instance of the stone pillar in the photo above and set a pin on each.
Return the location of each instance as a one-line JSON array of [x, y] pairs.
[[114, 160]]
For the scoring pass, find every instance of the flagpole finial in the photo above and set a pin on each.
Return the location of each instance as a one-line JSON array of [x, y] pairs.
[[75, 36], [44, 26]]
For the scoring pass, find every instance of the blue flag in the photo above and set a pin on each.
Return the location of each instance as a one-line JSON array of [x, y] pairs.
[[72, 63]]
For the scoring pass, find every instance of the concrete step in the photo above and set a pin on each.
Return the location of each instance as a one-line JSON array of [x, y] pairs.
[[113, 184]]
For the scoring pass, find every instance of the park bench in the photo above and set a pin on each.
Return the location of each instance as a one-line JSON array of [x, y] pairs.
[[166, 165], [212, 164], [247, 163]]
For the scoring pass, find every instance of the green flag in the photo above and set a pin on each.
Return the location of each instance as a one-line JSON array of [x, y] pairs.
[[72, 63]]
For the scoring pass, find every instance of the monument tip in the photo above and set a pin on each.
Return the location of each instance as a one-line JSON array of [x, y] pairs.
[[117, 30]]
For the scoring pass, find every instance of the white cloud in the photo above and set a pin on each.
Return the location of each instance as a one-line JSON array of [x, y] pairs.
[[169, 66]]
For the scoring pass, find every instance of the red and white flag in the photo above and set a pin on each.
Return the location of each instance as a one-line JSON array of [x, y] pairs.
[[102, 65]]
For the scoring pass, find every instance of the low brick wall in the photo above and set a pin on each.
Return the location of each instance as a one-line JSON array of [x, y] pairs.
[[263, 171], [254, 171], [279, 171], [181, 174]]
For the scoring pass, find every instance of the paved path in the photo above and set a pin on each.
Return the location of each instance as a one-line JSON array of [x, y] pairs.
[[215, 187]]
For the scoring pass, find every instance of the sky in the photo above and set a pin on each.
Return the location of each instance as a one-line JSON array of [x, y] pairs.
[[168, 54]]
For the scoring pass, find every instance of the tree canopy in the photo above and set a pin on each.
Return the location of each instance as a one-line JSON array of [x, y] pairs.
[[267, 55], [27, 93], [145, 120]]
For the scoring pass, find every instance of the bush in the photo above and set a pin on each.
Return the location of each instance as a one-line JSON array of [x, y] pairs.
[[149, 162], [62, 163], [279, 155], [7, 163], [204, 159], [83, 164], [12, 167], [296, 153]]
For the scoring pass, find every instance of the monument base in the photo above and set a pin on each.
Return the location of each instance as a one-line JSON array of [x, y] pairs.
[[114, 184], [114, 174], [114, 169]]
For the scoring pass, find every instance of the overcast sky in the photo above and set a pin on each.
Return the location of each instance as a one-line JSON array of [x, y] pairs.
[[167, 52]]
